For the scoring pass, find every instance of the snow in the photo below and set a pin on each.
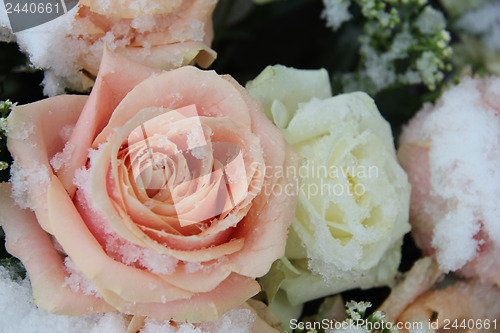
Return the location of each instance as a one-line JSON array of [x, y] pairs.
[[28, 182], [485, 23], [77, 281], [463, 131], [336, 12], [48, 49], [19, 314], [130, 253], [235, 321], [4, 18], [65, 132], [62, 158]]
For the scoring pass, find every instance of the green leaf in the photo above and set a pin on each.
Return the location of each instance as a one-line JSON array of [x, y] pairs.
[[6, 107], [281, 270]]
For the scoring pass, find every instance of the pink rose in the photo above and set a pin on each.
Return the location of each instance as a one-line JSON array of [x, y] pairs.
[[156, 33], [160, 34], [420, 300], [149, 196], [470, 304], [451, 152]]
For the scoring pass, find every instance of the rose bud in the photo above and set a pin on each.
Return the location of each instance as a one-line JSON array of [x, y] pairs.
[[451, 152], [159, 34]]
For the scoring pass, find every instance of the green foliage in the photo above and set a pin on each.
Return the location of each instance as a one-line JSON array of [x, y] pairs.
[[404, 42], [5, 108]]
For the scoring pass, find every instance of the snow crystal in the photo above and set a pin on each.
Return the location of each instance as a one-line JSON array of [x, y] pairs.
[[28, 183], [77, 281], [5, 30], [485, 23], [143, 23], [153, 326], [336, 12], [19, 314], [21, 131], [4, 18], [464, 152], [62, 158], [48, 49], [192, 267], [82, 181], [201, 153], [234, 321], [153, 261], [194, 31], [65, 132]]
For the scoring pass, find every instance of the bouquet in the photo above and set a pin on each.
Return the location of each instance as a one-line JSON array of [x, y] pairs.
[[249, 166]]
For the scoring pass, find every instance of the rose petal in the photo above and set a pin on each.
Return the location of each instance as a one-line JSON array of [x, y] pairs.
[[414, 158], [447, 305], [33, 246], [200, 278], [171, 56], [265, 226], [112, 84], [35, 137], [422, 276], [126, 9], [231, 293], [212, 95], [107, 275], [120, 221]]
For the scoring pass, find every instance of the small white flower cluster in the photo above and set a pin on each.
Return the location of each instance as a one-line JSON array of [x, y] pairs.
[[404, 42], [356, 314], [357, 310]]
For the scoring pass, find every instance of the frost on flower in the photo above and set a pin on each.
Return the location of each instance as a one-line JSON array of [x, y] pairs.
[[19, 314], [36, 178], [450, 151], [5, 32], [353, 202], [160, 34]]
